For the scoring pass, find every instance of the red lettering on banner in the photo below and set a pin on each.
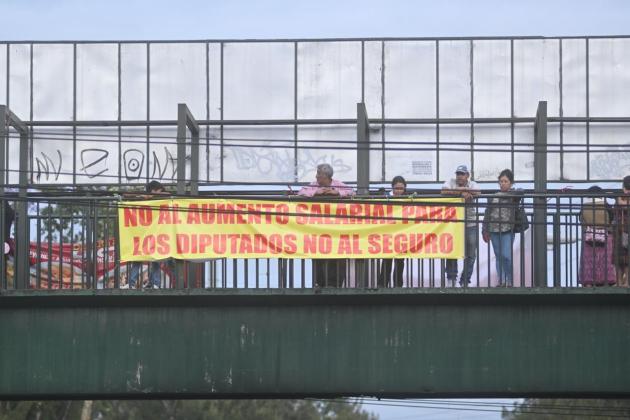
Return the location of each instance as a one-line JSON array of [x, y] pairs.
[[268, 209], [387, 244], [283, 215], [246, 245], [356, 245], [176, 215], [163, 247], [431, 243], [325, 243], [378, 212], [301, 209], [183, 243], [446, 243], [219, 245], [225, 214], [240, 220], [275, 243], [390, 214], [407, 211], [253, 214], [165, 217], [205, 240], [208, 213], [148, 245], [424, 214], [136, 245], [428, 214], [260, 243], [415, 243], [342, 214], [400, 244], [374, 247], [450, 213], [133, 216], [310, 244], [356, 210], [290, 244], [194, 218], [411, 243], [344, 245], [233, 238]]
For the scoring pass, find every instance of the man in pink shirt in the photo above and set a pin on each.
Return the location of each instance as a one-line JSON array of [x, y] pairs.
[[325, 185], [327, 272]]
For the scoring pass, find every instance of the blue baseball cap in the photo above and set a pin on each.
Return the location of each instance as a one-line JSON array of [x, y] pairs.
[[462, 168]]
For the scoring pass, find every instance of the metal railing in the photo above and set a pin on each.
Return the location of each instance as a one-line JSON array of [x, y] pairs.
[[73, 244]]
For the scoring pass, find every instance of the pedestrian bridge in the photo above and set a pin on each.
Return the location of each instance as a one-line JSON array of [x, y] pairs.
[[234, 327], [255, 343]]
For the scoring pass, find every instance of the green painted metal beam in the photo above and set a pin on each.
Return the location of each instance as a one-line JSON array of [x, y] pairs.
[[298, 343]]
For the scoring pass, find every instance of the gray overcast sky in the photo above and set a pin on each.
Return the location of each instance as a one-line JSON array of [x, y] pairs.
[[46, 20]]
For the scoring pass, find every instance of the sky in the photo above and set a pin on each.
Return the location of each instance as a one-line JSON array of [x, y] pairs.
[[113, 20], [271, 19]]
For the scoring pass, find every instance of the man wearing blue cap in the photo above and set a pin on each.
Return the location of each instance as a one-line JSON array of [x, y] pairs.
[[463, 186]]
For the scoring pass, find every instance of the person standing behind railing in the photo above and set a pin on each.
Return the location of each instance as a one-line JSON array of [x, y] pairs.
[[328, 272], [621, 249], [596, 266], [9, 217], [463, 186], [399, 189], [153, 188], [498, 226]]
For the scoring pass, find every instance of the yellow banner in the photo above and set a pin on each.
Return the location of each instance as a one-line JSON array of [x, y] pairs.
[[216, 228]]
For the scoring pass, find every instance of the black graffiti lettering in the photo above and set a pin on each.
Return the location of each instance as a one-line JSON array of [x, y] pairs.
[[160, 169], [47, 168], [133, 163], [94, 162]]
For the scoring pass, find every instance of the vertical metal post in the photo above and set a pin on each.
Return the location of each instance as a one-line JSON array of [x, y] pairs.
[[540, 203], [8, 119], [185, 122], [363, 150], [363, 178], [21, 207], [4, 131]]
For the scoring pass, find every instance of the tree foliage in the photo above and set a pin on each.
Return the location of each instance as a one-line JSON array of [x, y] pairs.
[[581, 409], [184, 409]]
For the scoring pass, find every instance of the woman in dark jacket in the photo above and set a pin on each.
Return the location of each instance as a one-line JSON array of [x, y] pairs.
[[498, 226]]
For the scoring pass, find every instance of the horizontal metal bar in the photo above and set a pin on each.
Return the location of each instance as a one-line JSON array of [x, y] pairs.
[[291, 40], [329, 121]]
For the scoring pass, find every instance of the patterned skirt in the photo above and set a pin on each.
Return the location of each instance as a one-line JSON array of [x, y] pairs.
[[596, 266]]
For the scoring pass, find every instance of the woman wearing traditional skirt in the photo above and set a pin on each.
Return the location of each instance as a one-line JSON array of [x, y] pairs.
[[596, 268]]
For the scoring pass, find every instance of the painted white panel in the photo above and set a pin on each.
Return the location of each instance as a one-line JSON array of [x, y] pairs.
[[410, 79], [574, 78], [454, 79], [491, 79], [133, 81], [97, 82], [609, 77], [178, 75], [258, 80], [536, 76], [52, 82], [329, 79]]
